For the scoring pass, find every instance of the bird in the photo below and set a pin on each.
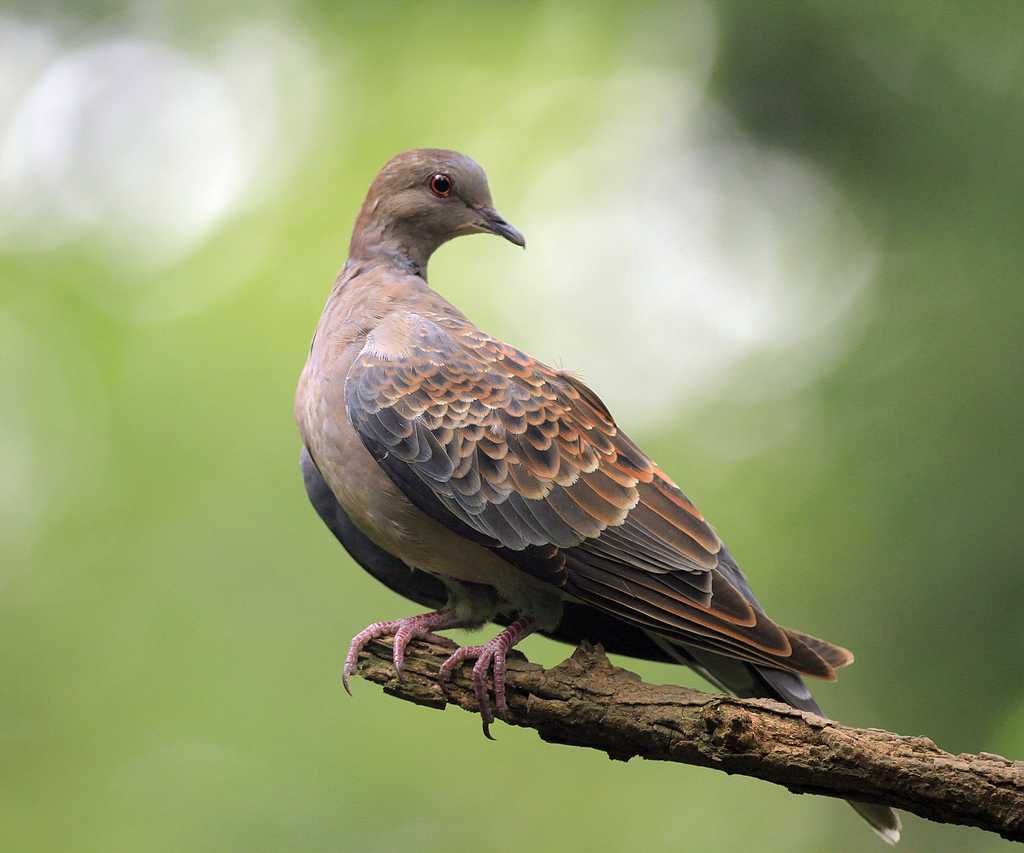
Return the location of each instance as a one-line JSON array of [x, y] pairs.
[[487, 486]]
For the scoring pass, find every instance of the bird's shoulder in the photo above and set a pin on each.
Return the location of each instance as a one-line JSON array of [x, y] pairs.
[[429, 357]]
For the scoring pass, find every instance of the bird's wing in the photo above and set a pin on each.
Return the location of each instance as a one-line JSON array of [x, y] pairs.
[[526, 459]]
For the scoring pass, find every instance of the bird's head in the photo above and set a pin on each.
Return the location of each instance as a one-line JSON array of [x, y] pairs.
[[423, 198]]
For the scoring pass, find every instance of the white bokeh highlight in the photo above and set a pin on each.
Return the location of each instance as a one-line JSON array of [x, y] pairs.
[[141, 146]]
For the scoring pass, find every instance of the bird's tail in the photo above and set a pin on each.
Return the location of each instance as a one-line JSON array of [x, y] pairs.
[[751, 681], [882, 819]]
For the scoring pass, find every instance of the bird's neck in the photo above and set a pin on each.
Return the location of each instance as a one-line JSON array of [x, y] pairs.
[[407, 249]]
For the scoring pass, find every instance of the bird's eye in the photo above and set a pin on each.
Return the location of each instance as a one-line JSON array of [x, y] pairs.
[[441, 185]]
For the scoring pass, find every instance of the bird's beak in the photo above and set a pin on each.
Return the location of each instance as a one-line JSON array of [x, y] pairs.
[[493, 222]]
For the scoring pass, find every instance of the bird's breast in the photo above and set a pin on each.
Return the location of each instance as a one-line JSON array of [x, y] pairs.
[[362, 488], [378, 507]]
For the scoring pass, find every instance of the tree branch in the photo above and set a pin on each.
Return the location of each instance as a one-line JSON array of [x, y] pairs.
[[585, 701]]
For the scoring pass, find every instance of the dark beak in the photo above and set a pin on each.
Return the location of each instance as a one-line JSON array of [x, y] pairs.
[[493, 222]]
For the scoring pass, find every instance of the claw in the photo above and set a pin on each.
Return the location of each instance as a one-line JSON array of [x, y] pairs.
[[480, 668], [405, 630], [490, 656]]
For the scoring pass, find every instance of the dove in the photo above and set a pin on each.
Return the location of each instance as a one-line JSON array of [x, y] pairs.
[[490, 487]]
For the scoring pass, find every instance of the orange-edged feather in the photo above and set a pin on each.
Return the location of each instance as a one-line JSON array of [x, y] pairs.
[[529, 460]]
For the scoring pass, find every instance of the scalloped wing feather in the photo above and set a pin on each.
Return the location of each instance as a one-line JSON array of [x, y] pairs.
[[528, 460]]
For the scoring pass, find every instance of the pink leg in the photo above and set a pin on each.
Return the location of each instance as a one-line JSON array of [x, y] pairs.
[[405, 630], [491, 655]]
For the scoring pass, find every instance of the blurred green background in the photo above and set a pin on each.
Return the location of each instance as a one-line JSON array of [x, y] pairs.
[[799, 224]]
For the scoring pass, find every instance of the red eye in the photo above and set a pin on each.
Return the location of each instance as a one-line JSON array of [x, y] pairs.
[[441, 185]]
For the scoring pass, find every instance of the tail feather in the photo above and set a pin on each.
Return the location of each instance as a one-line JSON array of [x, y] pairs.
[[835, 656], [882, 819]]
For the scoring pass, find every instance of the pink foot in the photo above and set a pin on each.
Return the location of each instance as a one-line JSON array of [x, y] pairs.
[[491, 655], [405, 630]]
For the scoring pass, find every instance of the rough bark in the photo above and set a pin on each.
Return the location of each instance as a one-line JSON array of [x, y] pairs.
[[585, 701]]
